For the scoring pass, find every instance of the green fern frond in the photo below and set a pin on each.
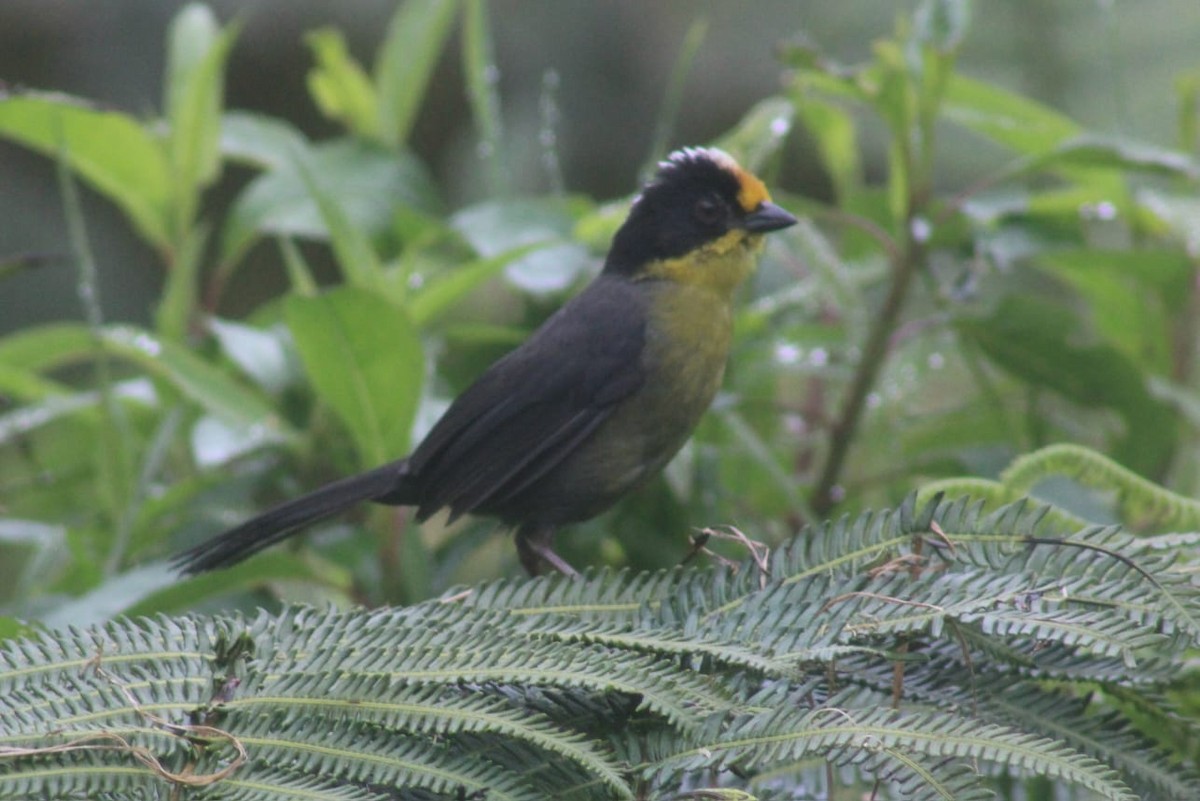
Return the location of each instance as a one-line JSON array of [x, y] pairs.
[[284, 785], [1107, 736], [1141, 503], [788, 734], [366, 756], [1000, 638], [295, 705]]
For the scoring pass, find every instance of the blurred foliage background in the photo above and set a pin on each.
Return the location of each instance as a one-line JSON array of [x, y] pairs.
[[1109, 65]]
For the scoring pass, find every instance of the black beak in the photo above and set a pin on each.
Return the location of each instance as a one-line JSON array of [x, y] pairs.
[[767, 217]]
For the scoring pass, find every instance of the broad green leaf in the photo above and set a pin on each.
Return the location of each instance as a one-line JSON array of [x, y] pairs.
[[53, 346], [365, 360], [1177, 213], [352, 248], [32, 550], [760, 133], [46, 347], [836, 82], [196, 56], [496, 227], [26, 386], [406, 59], [184, 594], [197, 380], [112, 152], [1180, 398], [596, 227], [264, 142], [1118, 154], [439, 294], [31, 416], [111, 598], [188, 506], [476, 334], [832, 128], [215, 442], [365, 183], [1051, 140], [1061, 208], [1129, 296], [261, 354], [339, 86], [1020, 124], [1035, 340]]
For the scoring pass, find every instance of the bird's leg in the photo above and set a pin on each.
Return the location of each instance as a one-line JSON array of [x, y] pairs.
[[534, 547]]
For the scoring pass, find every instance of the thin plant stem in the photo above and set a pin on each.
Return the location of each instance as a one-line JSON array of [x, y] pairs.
[[115, 433], [904, 269]]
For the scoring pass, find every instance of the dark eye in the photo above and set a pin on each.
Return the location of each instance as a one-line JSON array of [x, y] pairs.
[[708, 211]]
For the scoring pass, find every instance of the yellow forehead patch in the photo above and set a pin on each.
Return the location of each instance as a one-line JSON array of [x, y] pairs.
[[753, 192]]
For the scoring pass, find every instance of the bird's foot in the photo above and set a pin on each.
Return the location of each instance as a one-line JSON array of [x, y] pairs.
[[534, 548]]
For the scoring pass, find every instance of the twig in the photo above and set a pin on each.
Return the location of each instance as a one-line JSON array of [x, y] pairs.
[[842, 433]]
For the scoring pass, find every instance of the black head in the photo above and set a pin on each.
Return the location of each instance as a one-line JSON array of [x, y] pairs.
[[697, 196]]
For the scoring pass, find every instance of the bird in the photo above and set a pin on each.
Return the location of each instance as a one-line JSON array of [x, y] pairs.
[[596, 401]]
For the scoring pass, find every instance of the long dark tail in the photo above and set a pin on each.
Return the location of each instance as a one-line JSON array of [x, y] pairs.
[[276, 525]]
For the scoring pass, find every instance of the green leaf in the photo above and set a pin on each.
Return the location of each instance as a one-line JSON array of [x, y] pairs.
[[258, 140], [196, 56], [365, 183], [52, 346], [58, 404], [299, 273], [406, 59], [1177, 213], [33, 551], [339, 86], [1036, 340], [365, 360], [194, 378], [352, 248], [1129, 296], [273, 566], [760, 133], [109, 150], [441, 293], [832, 128], [112, 597], [25, 386], [496, 227], [1020, 124], [261, 354], [46, 347], [216, 443], [1053, 141], [1090, 151]]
